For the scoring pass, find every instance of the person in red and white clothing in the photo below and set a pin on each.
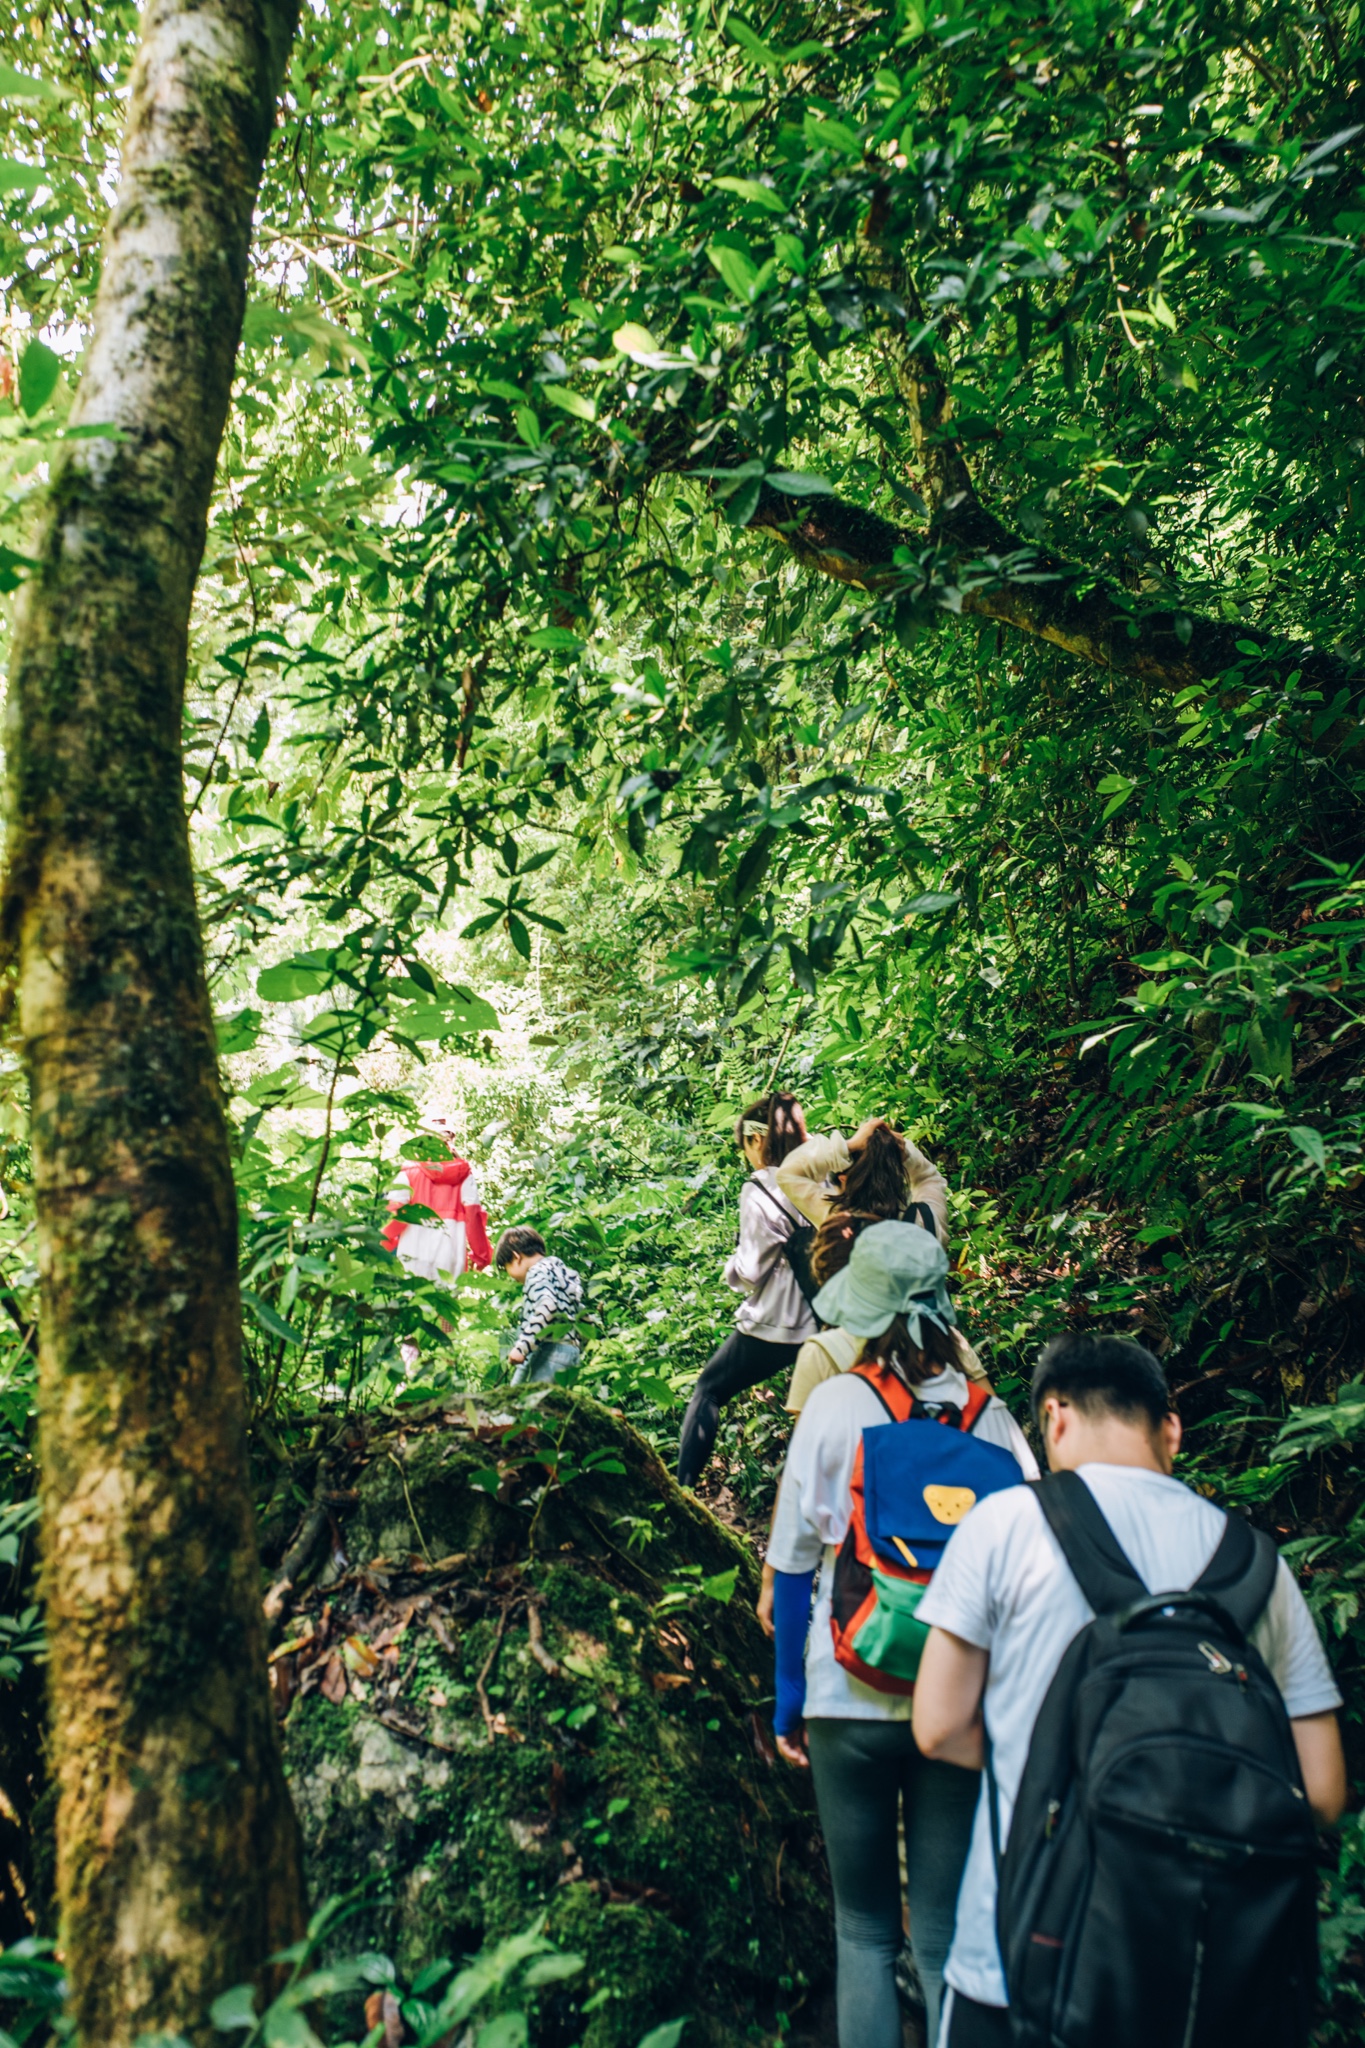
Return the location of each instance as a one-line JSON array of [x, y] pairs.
[[440, 1251]]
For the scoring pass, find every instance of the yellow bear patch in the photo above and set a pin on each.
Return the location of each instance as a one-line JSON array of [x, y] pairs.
[[948, 1503]]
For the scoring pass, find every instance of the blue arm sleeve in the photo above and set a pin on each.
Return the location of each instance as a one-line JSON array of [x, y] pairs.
[[791, 1619]]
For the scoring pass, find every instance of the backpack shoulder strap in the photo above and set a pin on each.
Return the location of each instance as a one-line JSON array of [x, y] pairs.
[[1241, 1573], [896, 1398], [921, 1213], [791, 1216], [977, 1402], [1088, 1544]]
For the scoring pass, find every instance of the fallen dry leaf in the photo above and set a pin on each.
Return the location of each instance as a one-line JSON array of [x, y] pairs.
[[294, 1643], [381, 2009], [334, 1680], [359, 1657]]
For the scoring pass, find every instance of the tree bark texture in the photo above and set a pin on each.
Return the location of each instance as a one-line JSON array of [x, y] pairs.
[[178, 1869]]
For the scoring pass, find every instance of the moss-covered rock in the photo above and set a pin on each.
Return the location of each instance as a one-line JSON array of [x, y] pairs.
[[538, 1685]]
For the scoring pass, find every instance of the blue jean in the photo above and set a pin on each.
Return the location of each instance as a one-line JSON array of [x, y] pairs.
[[864, 1771], [546, 1361]]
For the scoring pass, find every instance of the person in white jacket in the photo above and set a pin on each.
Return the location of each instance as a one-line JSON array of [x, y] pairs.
[[774, 1319]]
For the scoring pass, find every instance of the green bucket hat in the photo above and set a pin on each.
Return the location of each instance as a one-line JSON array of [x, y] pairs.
[[896, 1269]]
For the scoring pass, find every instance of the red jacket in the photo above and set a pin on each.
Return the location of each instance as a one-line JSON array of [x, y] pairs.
[[442, 1188]]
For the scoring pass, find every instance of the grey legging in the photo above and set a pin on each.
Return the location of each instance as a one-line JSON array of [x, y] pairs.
[[863, 1770]]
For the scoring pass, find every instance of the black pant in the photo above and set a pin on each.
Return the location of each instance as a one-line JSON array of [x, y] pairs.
[[741, 1362], [977, 2026]]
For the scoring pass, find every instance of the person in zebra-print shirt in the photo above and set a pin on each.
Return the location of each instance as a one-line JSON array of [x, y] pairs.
[[552, 1292]]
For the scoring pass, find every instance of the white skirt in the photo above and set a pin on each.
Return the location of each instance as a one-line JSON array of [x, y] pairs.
[[433, 1251]]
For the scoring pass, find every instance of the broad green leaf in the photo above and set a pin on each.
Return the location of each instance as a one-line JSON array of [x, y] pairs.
[[752, 44], [569, 401], [752, 190], [283, 2026], [301, 329], [428, 1977], [307, 974], [455, 1012], [1310, 1143], [555, 639], [235, 2008], [631, 339], [742, 503], [17, 85], [555, 1969], [269, 1319], [739, 270], [39, 370], [797, 485], [239, 1032], [17, 177], [835, 135], [507, 2030]]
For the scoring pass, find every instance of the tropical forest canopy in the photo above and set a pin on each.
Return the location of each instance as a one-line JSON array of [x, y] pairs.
[[820, 545]]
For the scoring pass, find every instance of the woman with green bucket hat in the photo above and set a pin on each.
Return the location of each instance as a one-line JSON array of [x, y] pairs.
[[857, 1740]]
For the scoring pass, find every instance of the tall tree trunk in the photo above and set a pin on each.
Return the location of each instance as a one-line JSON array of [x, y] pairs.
[[178, 1868]]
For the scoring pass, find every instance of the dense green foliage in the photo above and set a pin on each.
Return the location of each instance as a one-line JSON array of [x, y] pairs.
[[820, 545]]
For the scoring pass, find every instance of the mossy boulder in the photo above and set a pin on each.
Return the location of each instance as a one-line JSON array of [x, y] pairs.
[[536, 1684]]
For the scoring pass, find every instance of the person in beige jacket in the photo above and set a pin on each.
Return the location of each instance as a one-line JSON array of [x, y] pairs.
[[875, 1170], [874, 1175]]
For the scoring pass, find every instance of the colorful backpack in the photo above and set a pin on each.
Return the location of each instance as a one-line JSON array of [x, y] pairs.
[[912, 1484]]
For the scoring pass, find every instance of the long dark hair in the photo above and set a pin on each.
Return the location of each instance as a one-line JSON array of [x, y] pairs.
[[911, 1362], [785, 1126], [832, 1245], [879, 1176]]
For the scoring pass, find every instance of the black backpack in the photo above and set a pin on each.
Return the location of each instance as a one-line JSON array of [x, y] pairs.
[[798, 1241], [801, 1235], [1158, 1888]]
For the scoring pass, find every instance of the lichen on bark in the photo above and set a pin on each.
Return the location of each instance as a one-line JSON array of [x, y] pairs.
[[177, 1863]]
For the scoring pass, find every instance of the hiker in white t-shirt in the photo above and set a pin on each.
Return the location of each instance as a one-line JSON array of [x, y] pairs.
[[1004, 1607], [893, 1297]]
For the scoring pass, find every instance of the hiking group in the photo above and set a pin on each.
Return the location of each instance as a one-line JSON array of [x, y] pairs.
[[1088, 1716], [545, 1343]]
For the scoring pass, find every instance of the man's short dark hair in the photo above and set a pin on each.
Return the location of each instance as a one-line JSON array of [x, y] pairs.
[[520, 1242], [1103, 1376]]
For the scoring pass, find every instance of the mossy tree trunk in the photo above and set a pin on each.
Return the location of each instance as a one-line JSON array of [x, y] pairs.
[[178, 1867]]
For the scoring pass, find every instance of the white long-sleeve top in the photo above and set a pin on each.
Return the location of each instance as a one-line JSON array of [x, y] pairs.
[[774, 1308], [806, 1176]]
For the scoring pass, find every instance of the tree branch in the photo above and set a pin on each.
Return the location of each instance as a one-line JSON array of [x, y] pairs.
[[993, 574], [968, 558]]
